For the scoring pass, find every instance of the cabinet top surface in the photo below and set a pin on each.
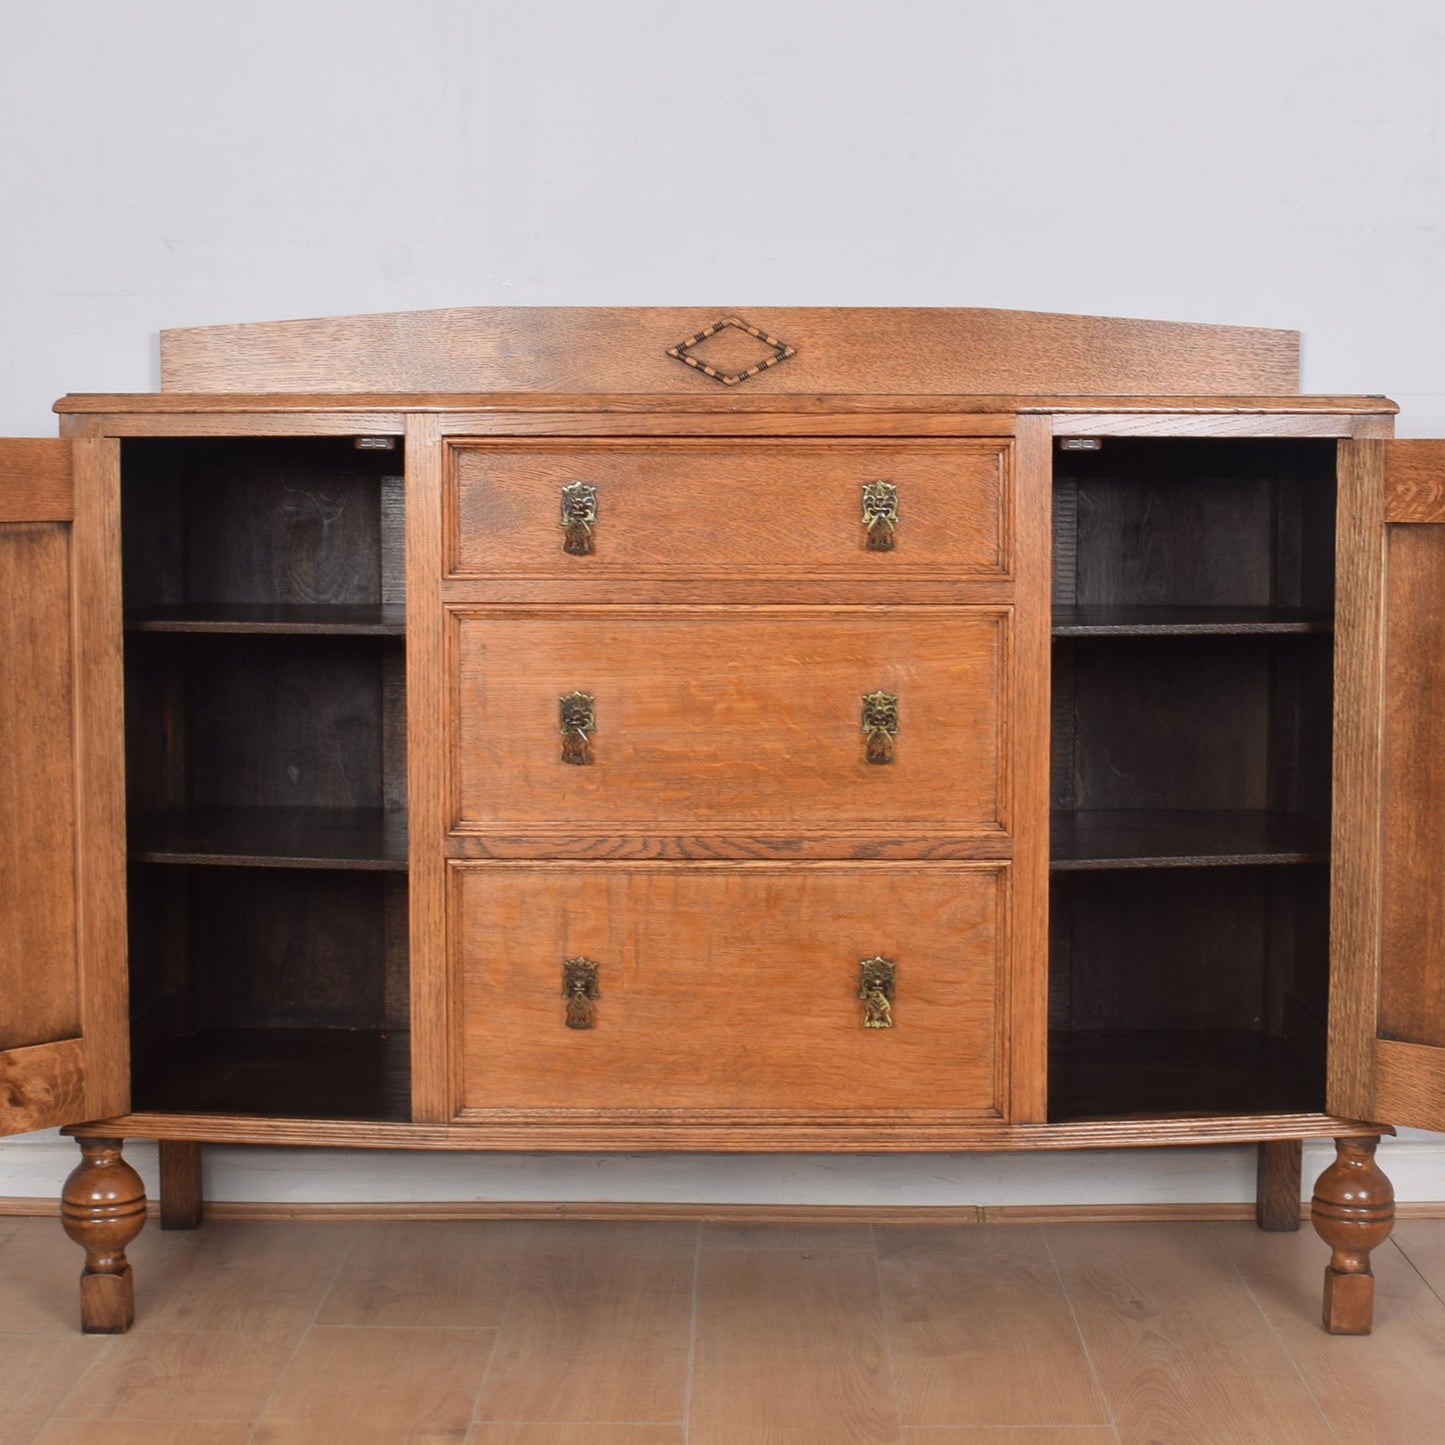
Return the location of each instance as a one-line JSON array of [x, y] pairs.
[[730, 404]]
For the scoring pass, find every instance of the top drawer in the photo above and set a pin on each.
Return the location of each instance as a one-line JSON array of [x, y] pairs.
[[688, 510]]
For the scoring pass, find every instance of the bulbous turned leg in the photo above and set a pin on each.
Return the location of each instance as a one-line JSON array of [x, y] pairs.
[[1353, 1211], [103, 1207]]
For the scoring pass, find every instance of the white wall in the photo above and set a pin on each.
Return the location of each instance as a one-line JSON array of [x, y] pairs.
[[1254, 161]]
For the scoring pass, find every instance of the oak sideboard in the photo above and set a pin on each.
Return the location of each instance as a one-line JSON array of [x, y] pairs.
[[708, 730]]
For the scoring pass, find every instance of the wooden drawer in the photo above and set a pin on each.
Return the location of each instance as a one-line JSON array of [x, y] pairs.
[[730, 720], [685, 510], [730, 987]]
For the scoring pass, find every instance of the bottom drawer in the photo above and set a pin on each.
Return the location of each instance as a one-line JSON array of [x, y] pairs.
[[729, 987]]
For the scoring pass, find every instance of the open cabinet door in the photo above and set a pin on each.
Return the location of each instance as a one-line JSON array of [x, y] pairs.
[[1388, 992], [63, 1030]]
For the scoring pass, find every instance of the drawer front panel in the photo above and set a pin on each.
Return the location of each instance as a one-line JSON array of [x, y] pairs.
[[682, 510], [730, 987], [715, 719]]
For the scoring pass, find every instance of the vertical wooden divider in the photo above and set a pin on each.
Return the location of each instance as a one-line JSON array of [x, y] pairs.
[[1027, 1008], [434, 1089], [100, 777]]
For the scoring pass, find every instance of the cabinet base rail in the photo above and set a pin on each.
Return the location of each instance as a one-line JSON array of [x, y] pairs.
[[103, 1209]]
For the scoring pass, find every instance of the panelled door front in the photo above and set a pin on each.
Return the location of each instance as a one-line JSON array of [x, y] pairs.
[[63, 1041], [1391, 1018]]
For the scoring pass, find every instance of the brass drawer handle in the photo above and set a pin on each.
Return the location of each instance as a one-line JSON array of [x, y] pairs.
[[875, 990], [880, 514], [880, 725], [579, 517], [578, 721], [580, 989]]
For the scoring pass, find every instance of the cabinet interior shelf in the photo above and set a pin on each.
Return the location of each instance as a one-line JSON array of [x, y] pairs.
[[283, 1073], [1082, 841], [316, 619], [1131, 621], [1124, 1073], [350, 838]]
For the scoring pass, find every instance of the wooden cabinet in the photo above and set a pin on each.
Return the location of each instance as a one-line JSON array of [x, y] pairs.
[[483, 730]]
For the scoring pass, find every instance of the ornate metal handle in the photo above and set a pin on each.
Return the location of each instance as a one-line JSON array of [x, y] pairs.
[[580, 989], [880, 726], [875, 990], [577, 722], [880, 514], [579, 517]]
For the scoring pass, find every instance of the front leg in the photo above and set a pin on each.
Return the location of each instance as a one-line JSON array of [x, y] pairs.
[[1353, 1211], [103, 1207]]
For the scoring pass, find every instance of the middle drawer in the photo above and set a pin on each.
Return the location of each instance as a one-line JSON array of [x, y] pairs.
[[624, 721]]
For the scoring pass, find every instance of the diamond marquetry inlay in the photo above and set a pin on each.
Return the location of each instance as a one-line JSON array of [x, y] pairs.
[[696, 353]]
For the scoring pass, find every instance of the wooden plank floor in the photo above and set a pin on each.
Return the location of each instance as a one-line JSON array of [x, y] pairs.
[[570, 1333]]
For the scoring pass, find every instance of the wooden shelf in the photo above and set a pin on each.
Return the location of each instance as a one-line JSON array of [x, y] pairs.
[[350, 838], [336, 620], [1186, 621], [1142, 839], [284, 1073], [1131, 1073]]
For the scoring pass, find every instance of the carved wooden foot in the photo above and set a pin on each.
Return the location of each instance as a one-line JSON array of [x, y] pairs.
[[1277, 1185], [103, 1207], [182, 1202], [1353, 1211]]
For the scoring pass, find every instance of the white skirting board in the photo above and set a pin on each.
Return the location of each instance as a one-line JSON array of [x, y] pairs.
[[35, 1166]]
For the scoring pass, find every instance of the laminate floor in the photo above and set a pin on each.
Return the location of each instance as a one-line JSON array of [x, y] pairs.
[[567, 1333]]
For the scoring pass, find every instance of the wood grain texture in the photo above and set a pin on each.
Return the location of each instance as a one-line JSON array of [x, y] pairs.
[[139, 416], [1410, 1083], [791, 1346], [241, 1277], [373, 1386], [457, 1275], [1181, 1349], [736, 1136], [1414, 480], [839, 349], [38, 973], [742, 721], [1358, 796], [680, 511], [436, 1083], [615, 1303], [182, 1197], [35, 481], [731, 989], [1007, 1435], [1196, 424], [1412, 989], [43, 1086], [36, 1374], [180, 1376], [1386, 1393], [619, 413], [1277, 1185], [100, 776], [591, 1433], [981, 1332], [1025, 1002], [148, 1432]]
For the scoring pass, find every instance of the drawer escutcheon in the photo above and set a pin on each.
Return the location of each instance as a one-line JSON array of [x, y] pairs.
[[578, 721], [880, 514], [580, 989], [876, 983], [880, 725], [579, 517]]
